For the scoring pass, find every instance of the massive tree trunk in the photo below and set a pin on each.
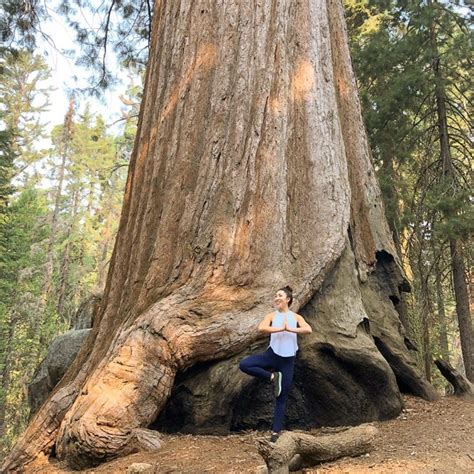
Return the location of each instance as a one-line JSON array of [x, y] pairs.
[[250, 170]]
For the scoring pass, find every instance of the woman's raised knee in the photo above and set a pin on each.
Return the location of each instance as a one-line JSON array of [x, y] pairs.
[[243, 364]]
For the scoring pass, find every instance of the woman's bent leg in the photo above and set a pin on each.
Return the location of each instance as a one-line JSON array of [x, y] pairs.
[[286, 367], [257, 365]]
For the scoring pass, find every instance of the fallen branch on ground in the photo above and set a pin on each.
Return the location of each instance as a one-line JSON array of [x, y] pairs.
[[296, 449]]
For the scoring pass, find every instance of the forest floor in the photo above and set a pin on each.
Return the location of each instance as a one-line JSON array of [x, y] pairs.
[[426, 437]]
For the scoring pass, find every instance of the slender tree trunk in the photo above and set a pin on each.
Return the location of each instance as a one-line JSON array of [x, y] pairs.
[[47, 287], [90, 198], [462, 308], [103, 260], [66, 138], [426, 306], [443, 333], [457, 261], [425, 323], [393, 220], [6, 370], [64, 271], [390, 200], [108, 216], [250, 170]]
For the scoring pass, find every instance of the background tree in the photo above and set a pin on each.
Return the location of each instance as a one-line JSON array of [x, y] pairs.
[[61, 139], [25, 98], [93, 155], [20, 285], [395, 51], [34, 279]]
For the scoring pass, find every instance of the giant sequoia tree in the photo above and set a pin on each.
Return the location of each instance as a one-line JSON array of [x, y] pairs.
[[250, 170]]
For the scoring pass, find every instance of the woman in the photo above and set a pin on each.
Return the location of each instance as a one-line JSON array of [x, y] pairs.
[[283, 326]]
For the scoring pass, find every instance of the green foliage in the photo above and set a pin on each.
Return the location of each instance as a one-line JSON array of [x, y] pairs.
[[19, 20], [122, 26], [7, 154], [455, 212], [21, 229], [55, 244], [125, 27], [22, 234], [6, 169], [24, 99], [90, 185], [405, 55]]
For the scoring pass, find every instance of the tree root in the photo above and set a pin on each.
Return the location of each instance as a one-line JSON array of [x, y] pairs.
[[462, 386]]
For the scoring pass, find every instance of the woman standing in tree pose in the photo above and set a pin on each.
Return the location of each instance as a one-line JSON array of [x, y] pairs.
[[283, 326]]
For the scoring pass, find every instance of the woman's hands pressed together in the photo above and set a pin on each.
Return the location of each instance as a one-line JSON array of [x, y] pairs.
[[265, 325], [303, 326]]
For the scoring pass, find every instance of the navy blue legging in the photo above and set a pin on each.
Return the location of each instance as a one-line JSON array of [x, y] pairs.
[[258, 365]]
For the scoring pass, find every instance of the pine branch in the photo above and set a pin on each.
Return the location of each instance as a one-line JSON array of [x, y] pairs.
[[459, 112]]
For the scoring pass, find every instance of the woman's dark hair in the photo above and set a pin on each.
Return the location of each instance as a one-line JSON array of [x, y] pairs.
[[289, 293]]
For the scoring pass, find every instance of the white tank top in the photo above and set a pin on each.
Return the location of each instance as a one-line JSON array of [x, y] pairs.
[[284, 343]]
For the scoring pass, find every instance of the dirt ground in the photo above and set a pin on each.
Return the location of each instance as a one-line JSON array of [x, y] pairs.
[[426, 437]]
